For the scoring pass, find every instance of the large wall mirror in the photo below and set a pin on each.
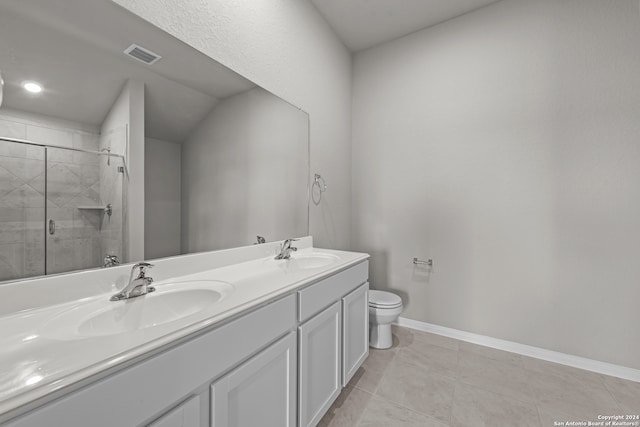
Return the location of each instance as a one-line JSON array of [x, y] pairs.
[[120, 143]]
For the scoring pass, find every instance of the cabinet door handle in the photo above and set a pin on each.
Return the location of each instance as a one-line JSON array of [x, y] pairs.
[[52, 227]]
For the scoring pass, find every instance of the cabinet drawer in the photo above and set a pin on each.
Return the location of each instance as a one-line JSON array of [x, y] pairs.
[[320, 295]]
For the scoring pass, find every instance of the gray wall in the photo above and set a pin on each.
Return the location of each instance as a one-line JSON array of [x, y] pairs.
[[504, 144], [161, 198], [287, 48], [245, 173]]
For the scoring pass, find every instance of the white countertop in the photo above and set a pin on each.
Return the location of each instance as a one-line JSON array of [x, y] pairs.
[[37, 360]]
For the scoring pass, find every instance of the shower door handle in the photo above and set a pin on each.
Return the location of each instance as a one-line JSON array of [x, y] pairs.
[[52, 227]]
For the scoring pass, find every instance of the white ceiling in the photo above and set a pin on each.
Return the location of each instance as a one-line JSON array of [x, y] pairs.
[[74, 48], [361, 24]]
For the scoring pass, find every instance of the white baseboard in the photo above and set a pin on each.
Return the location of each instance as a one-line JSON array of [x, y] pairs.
[[526, 350]]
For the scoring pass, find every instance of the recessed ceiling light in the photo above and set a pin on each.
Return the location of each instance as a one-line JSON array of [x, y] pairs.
[[32, 87]]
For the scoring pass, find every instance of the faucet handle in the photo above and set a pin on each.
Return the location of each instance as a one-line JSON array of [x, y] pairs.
[[143, 266], [287, 245], [110, 261]]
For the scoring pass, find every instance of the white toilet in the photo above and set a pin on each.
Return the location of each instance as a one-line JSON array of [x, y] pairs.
[[384, 309]]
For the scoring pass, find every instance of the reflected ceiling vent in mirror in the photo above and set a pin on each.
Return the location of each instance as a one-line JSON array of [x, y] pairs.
[[141, 54]]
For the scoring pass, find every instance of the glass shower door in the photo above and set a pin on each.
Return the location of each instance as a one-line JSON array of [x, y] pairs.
[[73, 214], [61, 209], [22, 210], [84, 209]]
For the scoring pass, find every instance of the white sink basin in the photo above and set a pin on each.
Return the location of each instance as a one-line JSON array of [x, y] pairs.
[[311, 260], [169, 303]]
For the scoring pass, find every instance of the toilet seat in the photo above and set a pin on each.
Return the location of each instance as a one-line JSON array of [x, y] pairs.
[[383, 307], [381, 299]]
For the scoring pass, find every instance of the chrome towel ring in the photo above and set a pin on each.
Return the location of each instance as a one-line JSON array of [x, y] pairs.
[[318, 181]]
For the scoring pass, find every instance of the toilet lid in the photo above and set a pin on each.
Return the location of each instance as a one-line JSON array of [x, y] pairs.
[[384, 299]]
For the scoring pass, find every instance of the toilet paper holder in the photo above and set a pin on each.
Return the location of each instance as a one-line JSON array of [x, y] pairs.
[[428, 262]]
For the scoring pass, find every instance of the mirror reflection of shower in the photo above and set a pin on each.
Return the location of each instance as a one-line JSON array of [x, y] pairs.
[[108, 150], [61, 208]]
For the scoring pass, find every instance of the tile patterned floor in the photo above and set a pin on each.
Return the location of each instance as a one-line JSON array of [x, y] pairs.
[[428, 380]]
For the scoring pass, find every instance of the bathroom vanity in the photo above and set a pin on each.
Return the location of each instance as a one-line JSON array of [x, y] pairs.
[[235, 339], [232, 337]]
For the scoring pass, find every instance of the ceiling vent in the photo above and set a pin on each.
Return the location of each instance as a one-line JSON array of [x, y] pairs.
[[141, 54]]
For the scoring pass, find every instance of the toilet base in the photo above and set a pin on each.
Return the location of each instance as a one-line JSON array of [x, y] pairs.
[[380, 336]]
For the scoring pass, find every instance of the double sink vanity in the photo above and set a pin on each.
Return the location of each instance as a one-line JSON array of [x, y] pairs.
[[161, 154], [227, 338]]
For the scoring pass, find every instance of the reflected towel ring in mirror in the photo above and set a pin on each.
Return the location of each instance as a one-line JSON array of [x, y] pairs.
[[1, 88], [318, 181]]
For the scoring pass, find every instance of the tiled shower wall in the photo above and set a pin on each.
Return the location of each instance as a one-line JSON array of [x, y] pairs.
[[73, 180]]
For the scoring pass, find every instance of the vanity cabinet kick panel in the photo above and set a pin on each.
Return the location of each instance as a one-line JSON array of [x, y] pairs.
[[314, 298], [355, 331], [261, 392], [186, 414], [145, 390], [320, 352]]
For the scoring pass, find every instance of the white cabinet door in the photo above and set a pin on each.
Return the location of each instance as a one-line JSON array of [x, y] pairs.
[[355, 331], [260, 392], [185, 415], [320, 364]]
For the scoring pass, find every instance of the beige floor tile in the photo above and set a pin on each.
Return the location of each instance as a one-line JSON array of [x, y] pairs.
[[625, 393], [573, 411], [414, 384], [420, 390], [473, 406], [582, 392], [563, 371], [369, 375], [491, 353], [347, 410], [564, 392], [499, 376], [409, 337], [401, 336], [440, 360], [383, 413], [550, 416]]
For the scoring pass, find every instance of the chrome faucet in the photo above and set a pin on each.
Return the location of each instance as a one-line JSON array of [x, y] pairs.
[[138, 286], [286, 249], [110, 261]]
